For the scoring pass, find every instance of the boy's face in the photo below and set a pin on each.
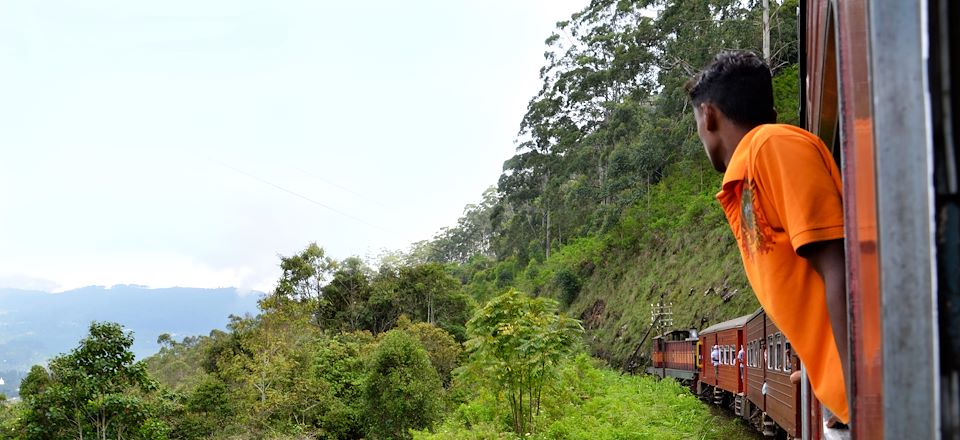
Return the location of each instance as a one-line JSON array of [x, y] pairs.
[[705, 114]]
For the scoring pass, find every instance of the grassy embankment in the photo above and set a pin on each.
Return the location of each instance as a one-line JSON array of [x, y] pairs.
[[598, 404]]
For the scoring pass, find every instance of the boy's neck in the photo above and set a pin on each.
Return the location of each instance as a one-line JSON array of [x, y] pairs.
[[730, 137]]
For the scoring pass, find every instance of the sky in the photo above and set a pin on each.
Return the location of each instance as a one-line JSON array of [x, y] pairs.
[[190, 143]]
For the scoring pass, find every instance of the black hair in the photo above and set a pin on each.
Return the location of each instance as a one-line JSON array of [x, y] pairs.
[[739, 83]]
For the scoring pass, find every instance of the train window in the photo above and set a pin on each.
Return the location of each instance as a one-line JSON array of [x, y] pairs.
[[750, 354], [787, 353], [778, 354], [756, 353], [753, 353], [767, 355]]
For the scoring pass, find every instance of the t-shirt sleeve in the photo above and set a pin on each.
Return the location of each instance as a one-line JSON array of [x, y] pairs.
[[797, 179]]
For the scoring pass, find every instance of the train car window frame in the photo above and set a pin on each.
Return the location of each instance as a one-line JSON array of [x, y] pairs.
[[778, 357], [756, 353], [787, 353], [769, 356]]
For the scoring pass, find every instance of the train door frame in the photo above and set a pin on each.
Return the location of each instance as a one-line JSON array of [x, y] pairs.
[[905, 218]]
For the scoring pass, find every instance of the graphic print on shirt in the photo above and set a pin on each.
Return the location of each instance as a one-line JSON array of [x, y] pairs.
[[757, 234]]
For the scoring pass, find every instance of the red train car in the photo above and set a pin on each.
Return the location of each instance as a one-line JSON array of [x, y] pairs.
[[773, 401], [675, 354], [720, 371]]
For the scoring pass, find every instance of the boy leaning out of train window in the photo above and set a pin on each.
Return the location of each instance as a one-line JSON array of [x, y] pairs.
[[781, 194]]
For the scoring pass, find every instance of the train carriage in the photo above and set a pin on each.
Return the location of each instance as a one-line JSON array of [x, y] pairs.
[[723, 379], [770, 362], [675, 354]]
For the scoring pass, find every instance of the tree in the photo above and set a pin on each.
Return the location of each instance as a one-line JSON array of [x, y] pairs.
[[402, 391], [346, 297], [304, 276], [97, 390], [516, 343], [441, 347], [429, 293]]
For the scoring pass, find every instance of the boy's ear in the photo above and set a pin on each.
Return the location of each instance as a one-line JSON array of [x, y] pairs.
[[710, 116]]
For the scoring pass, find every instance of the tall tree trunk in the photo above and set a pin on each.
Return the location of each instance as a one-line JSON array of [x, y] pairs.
[[766, 31], [548, 233]]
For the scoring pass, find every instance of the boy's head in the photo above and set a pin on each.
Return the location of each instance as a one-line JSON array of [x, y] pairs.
[[739, 84], [733, 94]]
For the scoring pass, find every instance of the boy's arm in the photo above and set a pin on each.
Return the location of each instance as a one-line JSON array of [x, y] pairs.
[[828, 259]]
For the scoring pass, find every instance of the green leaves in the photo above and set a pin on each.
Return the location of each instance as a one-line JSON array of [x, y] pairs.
[[516, 343], [402, 391], [95, 389]]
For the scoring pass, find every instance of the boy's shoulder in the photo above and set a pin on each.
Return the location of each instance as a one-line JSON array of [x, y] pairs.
[[766, 132], [781, 139]]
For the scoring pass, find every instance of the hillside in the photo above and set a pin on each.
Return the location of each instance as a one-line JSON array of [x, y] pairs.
[[688, 259]]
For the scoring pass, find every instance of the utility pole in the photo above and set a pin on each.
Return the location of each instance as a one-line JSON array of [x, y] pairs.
[[661, 317]]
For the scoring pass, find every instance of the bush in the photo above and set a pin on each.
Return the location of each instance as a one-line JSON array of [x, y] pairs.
[[569, 285], [403, 390], [516, 344], [442, 349]]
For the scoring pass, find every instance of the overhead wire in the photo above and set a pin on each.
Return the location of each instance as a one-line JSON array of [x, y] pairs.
[[301, 196]]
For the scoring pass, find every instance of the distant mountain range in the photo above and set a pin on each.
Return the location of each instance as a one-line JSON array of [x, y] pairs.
[[36, 326]]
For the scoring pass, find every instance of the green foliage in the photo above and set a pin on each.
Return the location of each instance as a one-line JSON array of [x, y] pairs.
[[443, 350], [403, 390], [569, 285], [11, 420], [598, 403], [95, 390], [786, 92], [304, 274], [516, 342], [345, 298], [340, 363]]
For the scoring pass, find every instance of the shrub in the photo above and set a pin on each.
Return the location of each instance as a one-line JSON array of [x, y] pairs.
[[442, 349], [403, 390], [517, 341], [569, 285]]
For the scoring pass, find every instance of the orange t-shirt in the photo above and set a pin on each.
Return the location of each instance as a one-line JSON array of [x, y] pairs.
[[781, 191]]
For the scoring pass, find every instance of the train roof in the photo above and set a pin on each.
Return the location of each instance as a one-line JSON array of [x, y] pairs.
[[755, 314], [687, 335], [733, 323]]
